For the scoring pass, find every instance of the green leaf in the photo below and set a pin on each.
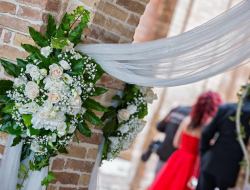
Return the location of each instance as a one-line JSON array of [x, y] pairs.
[[63, 150], [25, 151], [29, 48], [23, 169], [51, 27], [10, 68], [9, 109], [84, 129], [99, 91], [65, 23], [99, 73], [92, 118], [19, 175], [5, 85], [110, 127], [45, 61], [44, 162], [11, 128], [143, 112], [38, 38], [21, 64], [34, 131], [27, 120], [76, 33], [16, 141], [19, 186], [32, 166], [109, 114], [4, 99], [116, 97], [46, 181], [92, 104], [76, 137], [76, 66]]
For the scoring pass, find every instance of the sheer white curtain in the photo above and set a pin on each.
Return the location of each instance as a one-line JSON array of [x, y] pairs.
[[210, 49]]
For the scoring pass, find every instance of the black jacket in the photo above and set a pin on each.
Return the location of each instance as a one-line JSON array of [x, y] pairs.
[[223, 158], [170, 127]]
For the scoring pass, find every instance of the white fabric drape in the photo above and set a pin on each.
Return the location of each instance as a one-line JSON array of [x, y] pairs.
[[210, 49]]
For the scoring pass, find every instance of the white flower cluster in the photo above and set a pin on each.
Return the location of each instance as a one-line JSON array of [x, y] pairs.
[[131, 124], [49, 95]]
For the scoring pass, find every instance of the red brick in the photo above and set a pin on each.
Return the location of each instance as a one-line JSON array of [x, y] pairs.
[[96, 138], [83, 188], [103, 35], [6, 7], [7, 37], [2, 149], [77, 165], [53, 5], [67, 188], [58, 164], [132, 6], [38, 3], [76, 151], [133, 20], [12, 53], [66, 178], [16, 23], [32, 14], [108, 81]]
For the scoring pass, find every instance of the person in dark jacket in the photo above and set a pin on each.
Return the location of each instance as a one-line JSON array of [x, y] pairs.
[[220, 163], [169, 126]]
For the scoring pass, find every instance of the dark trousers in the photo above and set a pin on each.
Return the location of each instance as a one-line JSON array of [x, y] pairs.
[[209, 182]]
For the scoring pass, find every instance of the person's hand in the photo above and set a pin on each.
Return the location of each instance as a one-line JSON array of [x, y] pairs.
[[212, 142]]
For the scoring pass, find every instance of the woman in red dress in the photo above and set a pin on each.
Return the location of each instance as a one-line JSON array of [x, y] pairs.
[[184, 163]]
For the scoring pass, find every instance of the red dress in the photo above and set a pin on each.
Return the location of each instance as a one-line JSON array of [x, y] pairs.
[[176, 173]]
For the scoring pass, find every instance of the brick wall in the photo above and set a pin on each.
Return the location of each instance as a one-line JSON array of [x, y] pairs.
[[112, 21]]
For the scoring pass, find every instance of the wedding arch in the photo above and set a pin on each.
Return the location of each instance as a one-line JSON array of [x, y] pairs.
[[217, 46]]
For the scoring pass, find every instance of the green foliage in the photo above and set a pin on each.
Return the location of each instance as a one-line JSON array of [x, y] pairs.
[[10, 68], [23, 169], [29, 48], [63, 150], [99, 91], [32, 165], [9, 108], [21, 64], [11, 128], [99, 73], [45, 62], [16, 141], [4, 99], [44, 162], [51, 27], [34, 131], [25, 151], [109, 114], [46, 181], [38, 37], [19, 186], [76, 66], [84, 129], [92, 104], [92, 118], [110, 127], [5, 85], [27, 120]]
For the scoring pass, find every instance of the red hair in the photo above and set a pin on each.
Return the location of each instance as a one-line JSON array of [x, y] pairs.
[[206, 106]]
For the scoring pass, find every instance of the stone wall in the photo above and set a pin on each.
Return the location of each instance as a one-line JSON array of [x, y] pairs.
[[112, 21]]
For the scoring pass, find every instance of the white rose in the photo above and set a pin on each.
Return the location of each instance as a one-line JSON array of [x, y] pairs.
[[43, 72], [123, 114], [76, 102], [65, 65], [123, 128], [61, 128], [28, 67], [55, 71], [35, 147], [34, 72], [132, 109], [53, 114], [150, 97], [60, 116], [19, 82], [52, 138], [54, 97], [142, 89], [31, 90], [45, 114], [18, 105], [47, 105], [72, 129], [67, 79], [45, 51], [79, 90], [33, 107], [24, 109], [114, 140]]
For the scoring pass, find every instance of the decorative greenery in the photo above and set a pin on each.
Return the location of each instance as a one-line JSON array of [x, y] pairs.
[[50, 96], [125, 121]]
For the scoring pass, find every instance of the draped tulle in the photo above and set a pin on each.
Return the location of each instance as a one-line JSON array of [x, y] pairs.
[[210, 49]]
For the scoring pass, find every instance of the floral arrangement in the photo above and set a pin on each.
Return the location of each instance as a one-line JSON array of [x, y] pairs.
[[50, 96], [125, 121]]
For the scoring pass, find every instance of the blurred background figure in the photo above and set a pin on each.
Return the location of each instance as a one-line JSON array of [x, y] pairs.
[[169, 126], [180, 172], [220, 163]]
